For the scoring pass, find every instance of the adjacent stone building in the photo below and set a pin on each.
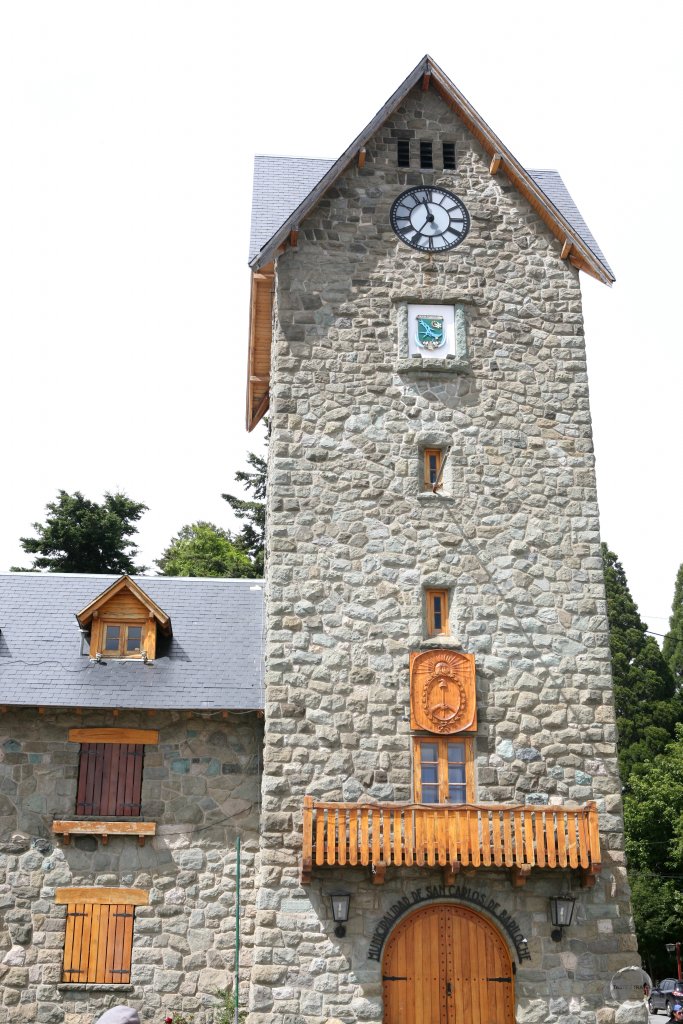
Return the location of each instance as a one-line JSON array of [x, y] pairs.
[[127, 774], [440, 742]]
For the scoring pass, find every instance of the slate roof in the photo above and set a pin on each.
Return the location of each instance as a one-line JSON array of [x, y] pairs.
[[281, 183], [213, 660]]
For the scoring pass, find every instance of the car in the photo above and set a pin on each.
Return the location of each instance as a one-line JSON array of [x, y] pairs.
[[665, 994]]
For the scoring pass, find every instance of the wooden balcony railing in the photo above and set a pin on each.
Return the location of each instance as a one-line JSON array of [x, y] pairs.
[[515, 836]]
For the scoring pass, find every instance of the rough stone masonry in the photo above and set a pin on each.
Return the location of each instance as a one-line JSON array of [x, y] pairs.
[[353, 542]]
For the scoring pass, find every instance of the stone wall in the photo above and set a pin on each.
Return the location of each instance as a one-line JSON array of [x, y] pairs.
[[352, 543], [201, 786]]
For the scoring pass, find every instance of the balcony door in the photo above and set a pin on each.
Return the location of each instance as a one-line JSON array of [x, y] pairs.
[[446, 964]]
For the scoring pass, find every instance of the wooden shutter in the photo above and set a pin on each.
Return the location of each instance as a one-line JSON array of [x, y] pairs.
[[98, 943], [110, 779]]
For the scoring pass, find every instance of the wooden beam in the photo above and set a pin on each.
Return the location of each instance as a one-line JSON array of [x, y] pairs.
[[294, 237], [496, 161], [566, 249], [379, 870], [450, 874], [361, 158], [104, 828], [107, 735], [519, 875], [426, 81], [103, 894]]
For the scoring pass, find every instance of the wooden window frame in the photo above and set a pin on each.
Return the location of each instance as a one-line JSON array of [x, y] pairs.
[[98, 937], [427, 483], [122, 652], [431, 596], [442, 745]]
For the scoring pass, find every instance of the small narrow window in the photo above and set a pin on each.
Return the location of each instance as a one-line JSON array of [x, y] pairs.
[[437, 612], [444, 771], [110, 779], [426, 155], [403, 150], [433, 458], [449, 156]]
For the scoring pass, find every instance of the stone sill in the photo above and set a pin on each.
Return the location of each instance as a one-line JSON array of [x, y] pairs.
[[430, 496], [437, 642], [75, 986], [418, 365]]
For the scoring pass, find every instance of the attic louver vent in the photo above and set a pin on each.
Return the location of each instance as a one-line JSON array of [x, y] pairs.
[[426, 155], [403, 150], [449, 156]]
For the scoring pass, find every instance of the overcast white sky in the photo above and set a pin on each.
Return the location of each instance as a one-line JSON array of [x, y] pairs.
[[128, 132]]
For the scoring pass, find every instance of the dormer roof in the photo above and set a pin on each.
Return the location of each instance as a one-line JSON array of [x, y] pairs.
[[84, 617]]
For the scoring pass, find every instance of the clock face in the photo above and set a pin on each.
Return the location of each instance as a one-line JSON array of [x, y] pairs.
[[430, 219]]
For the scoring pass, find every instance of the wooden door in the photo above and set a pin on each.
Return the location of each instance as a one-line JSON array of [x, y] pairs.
[[447, 964]]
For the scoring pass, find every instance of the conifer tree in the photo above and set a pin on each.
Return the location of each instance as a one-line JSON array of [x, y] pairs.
[[647, 704], [251, 537], [673, 642]]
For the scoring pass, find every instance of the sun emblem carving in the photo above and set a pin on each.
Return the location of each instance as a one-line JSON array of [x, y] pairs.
[[442, 692], [443, 696]]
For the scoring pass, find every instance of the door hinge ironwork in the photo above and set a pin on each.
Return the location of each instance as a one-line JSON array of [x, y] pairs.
[[499, 979], [393, 977]]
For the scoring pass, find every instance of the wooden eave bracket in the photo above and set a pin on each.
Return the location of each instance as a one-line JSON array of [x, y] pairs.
[[426, 81], [104, 829], [294, 237], [306, 871], [361, 158], [519, 875], [589, 875], [378, 873], [566, 249], [496, 161]]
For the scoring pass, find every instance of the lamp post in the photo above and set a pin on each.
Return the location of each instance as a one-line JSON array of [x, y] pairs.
[[561, 912], [675, 947]]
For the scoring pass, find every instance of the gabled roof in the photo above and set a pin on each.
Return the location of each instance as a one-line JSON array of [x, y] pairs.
[[213, 660], [84, 617], [543, 189]]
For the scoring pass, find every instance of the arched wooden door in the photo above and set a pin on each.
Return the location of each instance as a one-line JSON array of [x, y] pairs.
[[447, 964]]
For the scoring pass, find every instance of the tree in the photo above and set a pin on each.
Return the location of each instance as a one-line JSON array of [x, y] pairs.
[[202, 549], [252, 535], [647, 705], [81, 536], [653, 815], [672, 648]]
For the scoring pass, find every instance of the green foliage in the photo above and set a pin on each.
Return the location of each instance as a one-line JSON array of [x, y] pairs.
[[653, 815], [202, 549], [226, 1011], [673, 642], [647, 704], [81, 536], [253, 513]]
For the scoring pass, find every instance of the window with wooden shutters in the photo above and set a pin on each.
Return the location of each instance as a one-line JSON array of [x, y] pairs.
[[98, 938], [110, 779], [110, 770]]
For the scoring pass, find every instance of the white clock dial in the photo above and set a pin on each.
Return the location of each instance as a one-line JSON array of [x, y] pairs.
[[430, 219]]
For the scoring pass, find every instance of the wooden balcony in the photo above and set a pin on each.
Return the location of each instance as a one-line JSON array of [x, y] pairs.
[[514, 836]]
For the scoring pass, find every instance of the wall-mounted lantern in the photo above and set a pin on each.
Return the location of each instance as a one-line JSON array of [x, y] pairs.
[[341, 902], [561, 913]]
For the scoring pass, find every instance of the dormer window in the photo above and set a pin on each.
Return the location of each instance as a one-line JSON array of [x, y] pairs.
[[123, 622], [122, 640]]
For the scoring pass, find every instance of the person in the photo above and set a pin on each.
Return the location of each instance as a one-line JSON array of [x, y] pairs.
[[119, 1015], [677, 1013]]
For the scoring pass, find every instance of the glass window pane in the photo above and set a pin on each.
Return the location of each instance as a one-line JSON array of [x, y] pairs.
[[111, 642], [429, 752], [456, 752], [134, 638], [457, 795], [430, 794], [430, 773], [456, 773]]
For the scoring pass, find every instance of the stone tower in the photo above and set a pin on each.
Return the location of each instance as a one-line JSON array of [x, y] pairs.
[[440, 742]]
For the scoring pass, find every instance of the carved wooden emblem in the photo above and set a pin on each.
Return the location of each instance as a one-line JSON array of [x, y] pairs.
[[442, 692]]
